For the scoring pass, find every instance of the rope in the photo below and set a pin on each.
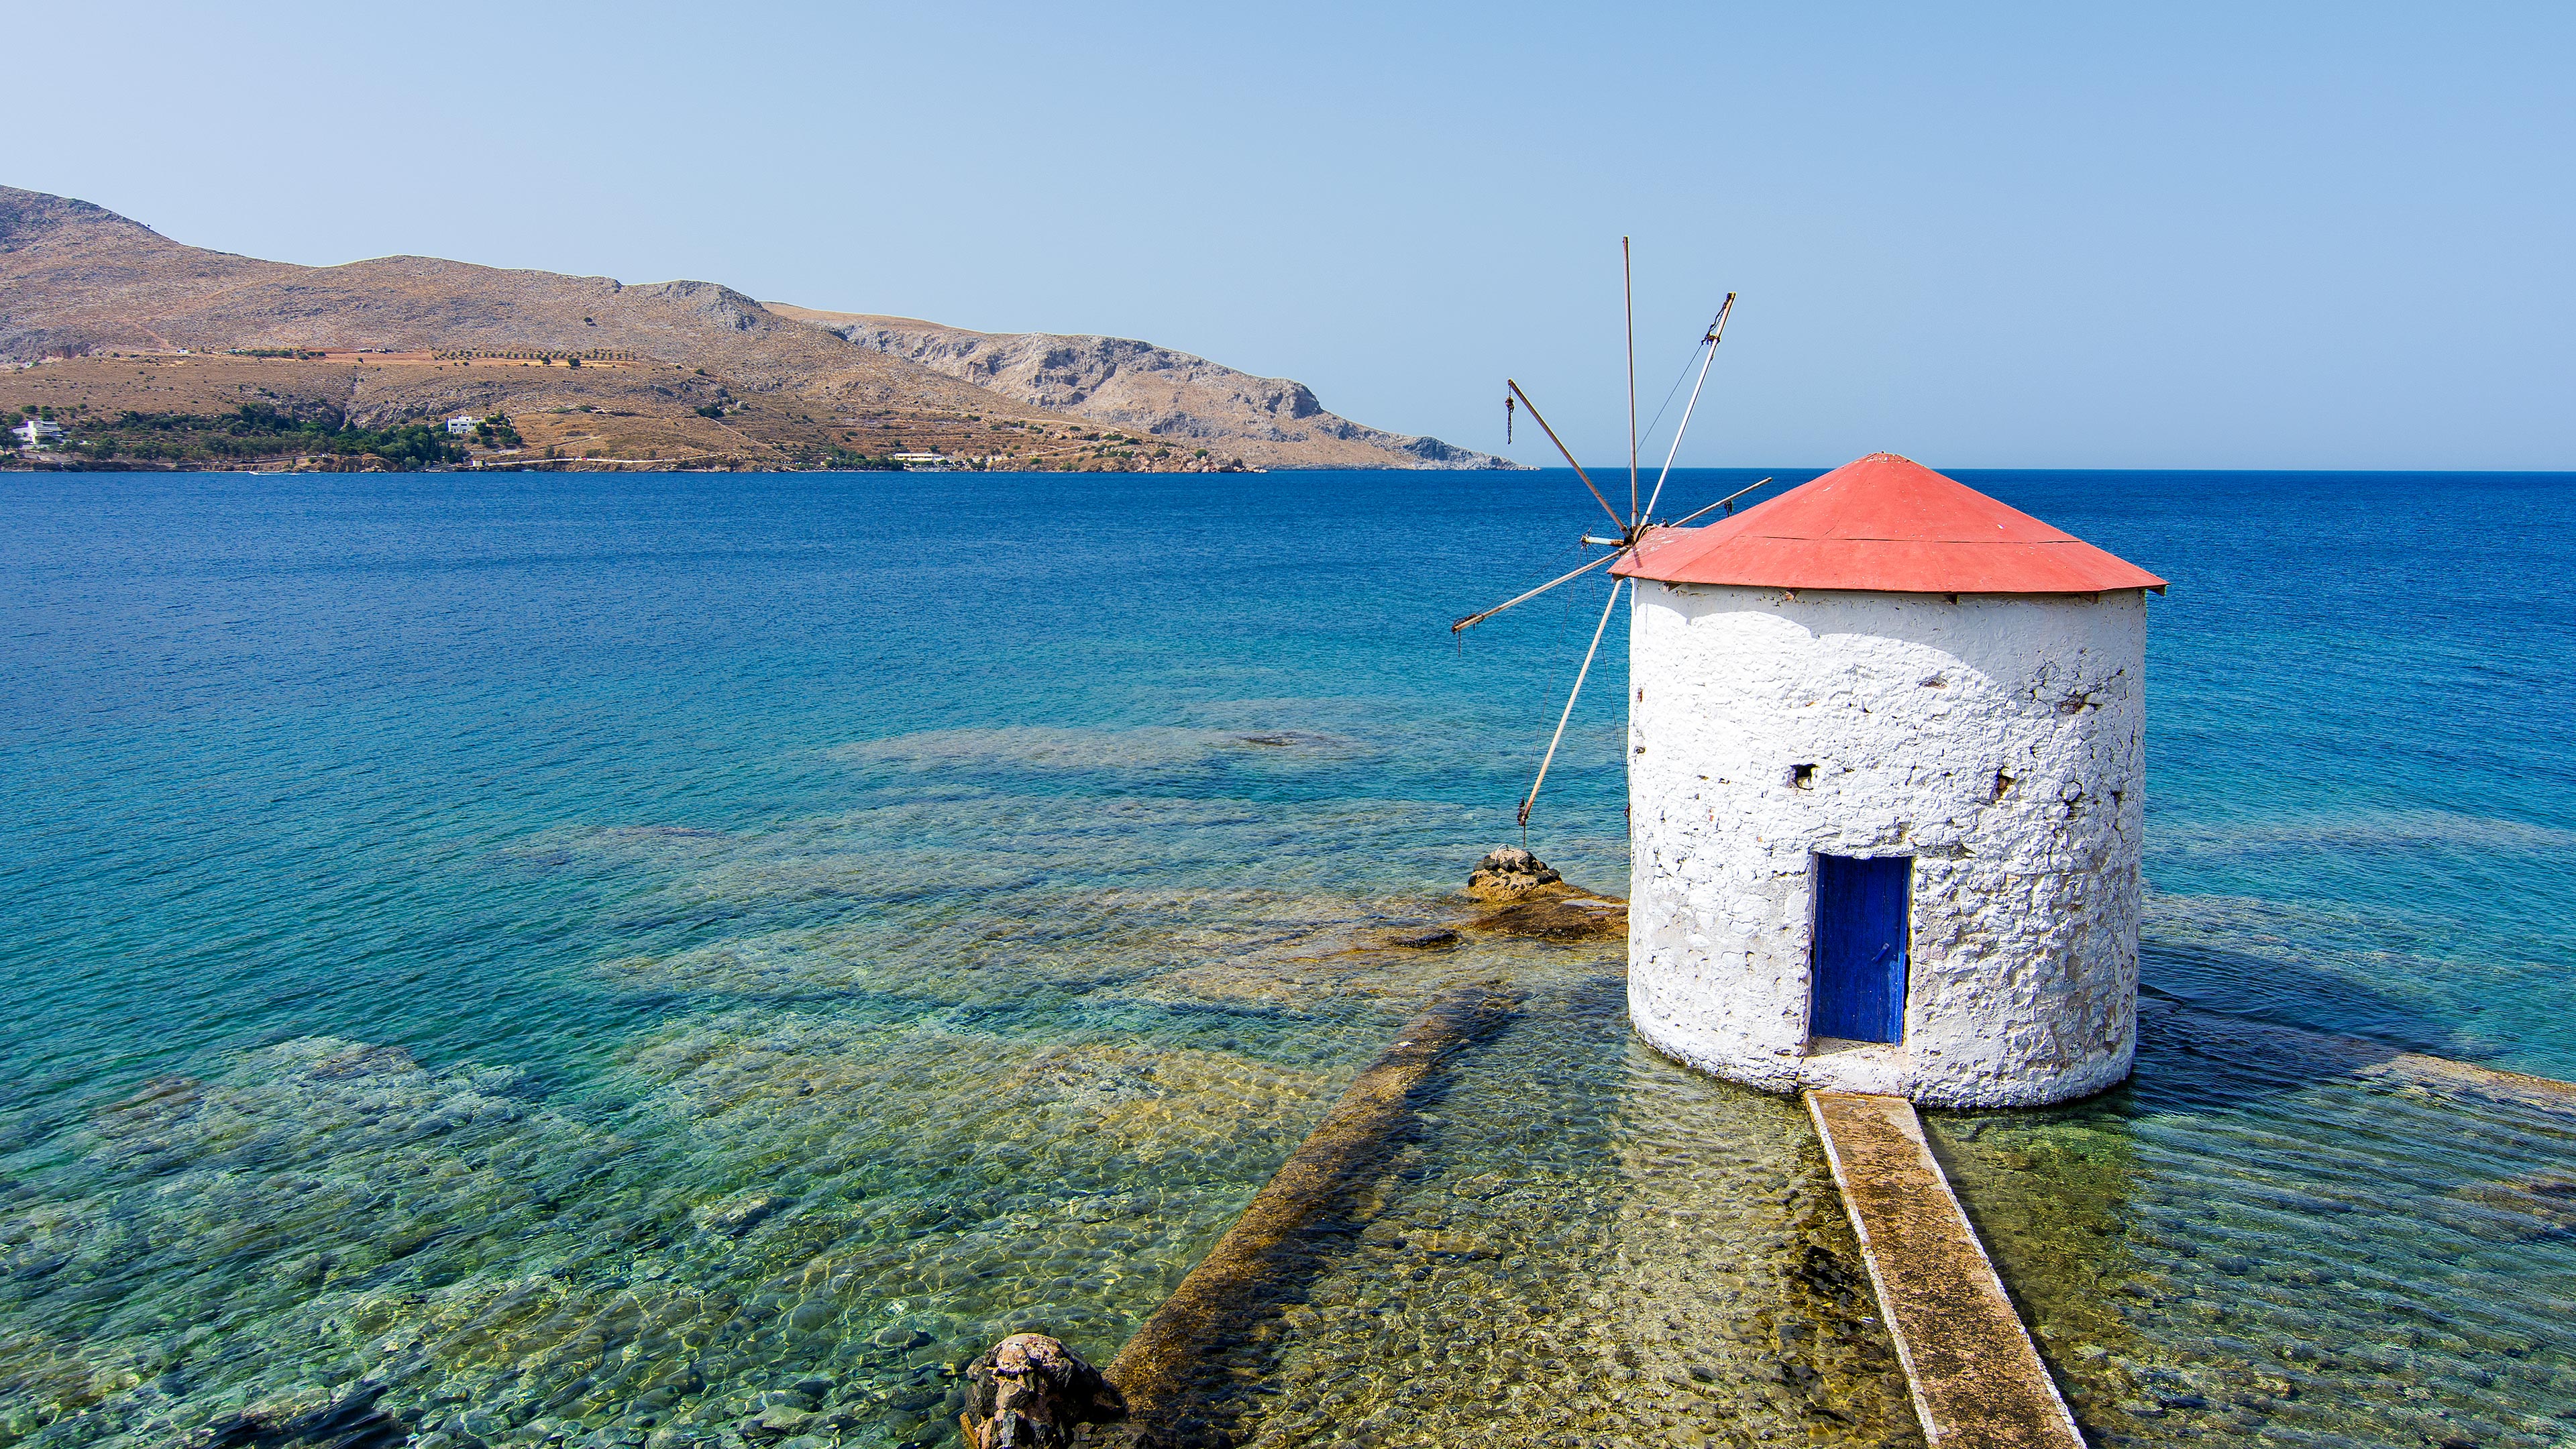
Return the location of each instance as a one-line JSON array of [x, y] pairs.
[[1676, 388]]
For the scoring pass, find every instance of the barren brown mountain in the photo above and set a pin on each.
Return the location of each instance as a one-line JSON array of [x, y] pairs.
[[120, 333], [1137, 385]]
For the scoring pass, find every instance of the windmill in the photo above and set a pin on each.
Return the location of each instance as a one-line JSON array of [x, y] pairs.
[[1640, 519]]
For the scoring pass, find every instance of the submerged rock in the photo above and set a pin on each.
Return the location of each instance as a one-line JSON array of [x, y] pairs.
[[1559, 917], [785, 1419], [1428, 938], [2530, 1208], [1509, 874], [735, 1216]]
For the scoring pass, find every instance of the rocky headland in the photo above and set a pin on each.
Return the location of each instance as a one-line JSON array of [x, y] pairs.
[[1142, 387]]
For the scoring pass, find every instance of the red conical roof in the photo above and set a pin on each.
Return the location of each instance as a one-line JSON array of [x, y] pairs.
[[1888, 525]]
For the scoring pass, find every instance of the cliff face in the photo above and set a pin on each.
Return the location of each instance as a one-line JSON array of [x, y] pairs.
[[1140, 386], [78, 281]]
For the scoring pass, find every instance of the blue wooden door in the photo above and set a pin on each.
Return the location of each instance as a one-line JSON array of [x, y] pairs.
[[1861, 910]]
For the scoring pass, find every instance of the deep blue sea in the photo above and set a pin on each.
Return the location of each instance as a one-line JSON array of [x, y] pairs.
[[604, 958]]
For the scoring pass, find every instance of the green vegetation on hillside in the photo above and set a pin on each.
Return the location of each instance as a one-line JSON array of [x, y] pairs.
[[845, 461], [257, 430]]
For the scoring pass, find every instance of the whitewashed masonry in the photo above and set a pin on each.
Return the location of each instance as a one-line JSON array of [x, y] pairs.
[[1997, 740]]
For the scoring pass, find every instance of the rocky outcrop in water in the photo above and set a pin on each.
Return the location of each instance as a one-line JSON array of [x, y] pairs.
[[1566, 917], [1531, 900], [1509, 874], [1031, 1392]]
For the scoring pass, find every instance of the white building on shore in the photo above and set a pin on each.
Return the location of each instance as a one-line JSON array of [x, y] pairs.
[[36, 433], [1886, 781]]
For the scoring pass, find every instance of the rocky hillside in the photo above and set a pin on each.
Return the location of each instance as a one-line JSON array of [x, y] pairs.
[[669, 373], [1139, 386]]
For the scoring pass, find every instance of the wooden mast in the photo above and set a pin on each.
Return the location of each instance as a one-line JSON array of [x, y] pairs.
[[1628, 302]]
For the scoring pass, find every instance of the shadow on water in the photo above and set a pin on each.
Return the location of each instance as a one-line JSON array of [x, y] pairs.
[[2194, 1059], [2281, 989]]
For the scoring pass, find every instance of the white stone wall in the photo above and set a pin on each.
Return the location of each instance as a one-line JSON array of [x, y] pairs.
[[1997, 740]]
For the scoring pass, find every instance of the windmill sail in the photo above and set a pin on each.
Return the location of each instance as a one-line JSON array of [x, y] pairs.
[[1607, 607], [1534, 593], [1634, 527], [1716, 333], [1541, 420]]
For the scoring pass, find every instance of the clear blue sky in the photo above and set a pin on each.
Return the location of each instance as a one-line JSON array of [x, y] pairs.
[[2236, 235]]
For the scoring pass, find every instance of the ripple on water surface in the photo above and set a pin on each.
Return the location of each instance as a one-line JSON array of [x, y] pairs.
[[1005, 1074], [955, 1087], [2273, 1236], [587, 971], [1584, 1244]]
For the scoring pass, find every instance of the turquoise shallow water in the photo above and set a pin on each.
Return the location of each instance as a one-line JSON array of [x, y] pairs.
[[598, 957]]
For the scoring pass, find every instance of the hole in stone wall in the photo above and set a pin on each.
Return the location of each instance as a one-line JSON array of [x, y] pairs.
[[2003, 784], [1802, 777]]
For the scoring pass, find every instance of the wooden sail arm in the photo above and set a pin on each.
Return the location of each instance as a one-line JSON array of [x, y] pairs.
[[1579, 675], [1534, 593], [1716, 333], [1569, 456], [1684, 522]]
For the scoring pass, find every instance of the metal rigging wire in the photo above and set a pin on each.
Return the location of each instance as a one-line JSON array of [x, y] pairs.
[[1675, 390]]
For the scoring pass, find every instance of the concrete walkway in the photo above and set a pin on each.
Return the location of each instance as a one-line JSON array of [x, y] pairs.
[[1976, 1377]]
